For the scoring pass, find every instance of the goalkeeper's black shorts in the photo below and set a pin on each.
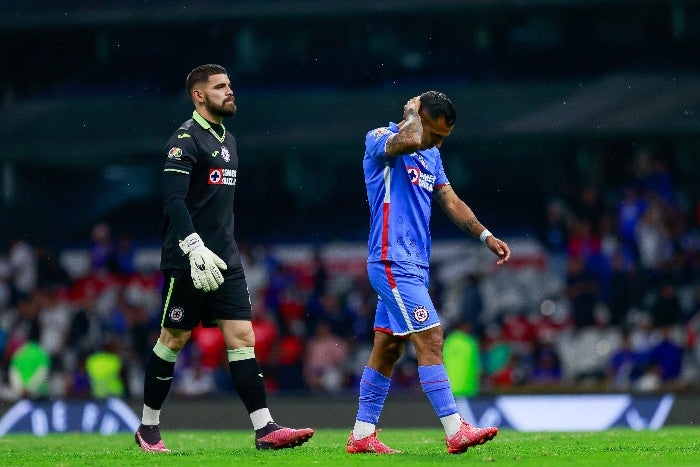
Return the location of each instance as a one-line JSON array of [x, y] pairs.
[[184, 307]]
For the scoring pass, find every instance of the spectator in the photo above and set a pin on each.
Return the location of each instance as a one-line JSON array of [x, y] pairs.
[[212, 347], [589, 207], [24, 325], [326, 355], [54, 317], [86, 327], [106, 371], [666, 310], [320, 274], [632, 207], [102, 248], [54, 320], [462, 360], [266, 340], [195, 380], [23, 267], [290, 357], [546, 367], [667, 357], [652, 240], [584, 241], [123, 258], [624, 368], [472, 303], [29, 371], [555, 237], [581, 291], [255, 270], [499, 359], [622, 295], [78, 380], [330, 309]]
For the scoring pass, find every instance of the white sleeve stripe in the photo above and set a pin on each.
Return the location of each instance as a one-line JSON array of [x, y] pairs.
[[177, 170], [387, 184]]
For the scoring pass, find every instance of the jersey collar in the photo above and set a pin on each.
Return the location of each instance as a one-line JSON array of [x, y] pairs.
[[207, 126]]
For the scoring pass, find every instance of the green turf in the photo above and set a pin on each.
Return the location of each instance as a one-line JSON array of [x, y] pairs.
[[673, 446]]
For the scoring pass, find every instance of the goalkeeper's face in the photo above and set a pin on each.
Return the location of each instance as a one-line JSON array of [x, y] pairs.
[[218, 96]]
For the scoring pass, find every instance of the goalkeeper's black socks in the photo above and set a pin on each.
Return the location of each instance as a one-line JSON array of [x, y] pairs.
[[157, 381], [248, 381]]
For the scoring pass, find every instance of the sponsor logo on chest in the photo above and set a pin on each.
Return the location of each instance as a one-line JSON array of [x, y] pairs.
[[218, 176], [423, 180]]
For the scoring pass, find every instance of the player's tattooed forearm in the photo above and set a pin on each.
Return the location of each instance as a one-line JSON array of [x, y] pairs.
[[405, 137], [472, 225], [442, 191]]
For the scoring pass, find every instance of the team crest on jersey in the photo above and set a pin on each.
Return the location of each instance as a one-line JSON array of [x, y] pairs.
[[421, 314], [175, 153], [225, 154], [413, 174], [222, 177], [423, 180], [215, 177], [379, 132], [175, 314]]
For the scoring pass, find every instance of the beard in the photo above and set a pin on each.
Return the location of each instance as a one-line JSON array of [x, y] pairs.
[[225, 109]]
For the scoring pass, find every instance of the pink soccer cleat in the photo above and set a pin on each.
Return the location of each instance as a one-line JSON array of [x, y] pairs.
[[369, 444], [274, 436], [148, 438], [469, 436]]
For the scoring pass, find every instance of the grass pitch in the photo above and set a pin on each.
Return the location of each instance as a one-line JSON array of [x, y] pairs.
[[672, 446]]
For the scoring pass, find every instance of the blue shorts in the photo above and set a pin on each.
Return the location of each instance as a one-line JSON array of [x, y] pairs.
[[404, 305]]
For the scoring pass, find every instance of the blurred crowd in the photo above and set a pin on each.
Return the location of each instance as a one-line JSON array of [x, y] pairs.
[[612, 303]]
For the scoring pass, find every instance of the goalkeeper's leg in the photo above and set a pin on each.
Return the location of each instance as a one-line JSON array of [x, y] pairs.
[[157, 380], [248, 381]]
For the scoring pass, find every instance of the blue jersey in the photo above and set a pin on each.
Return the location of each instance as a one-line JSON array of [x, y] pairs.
[[400, 195]]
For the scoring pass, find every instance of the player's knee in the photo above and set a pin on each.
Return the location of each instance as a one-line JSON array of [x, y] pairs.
[[174, 339], [428, 345], [393, 351]]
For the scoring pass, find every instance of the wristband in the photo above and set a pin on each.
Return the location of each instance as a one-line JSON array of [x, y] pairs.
[[190, 242], [484, 235]]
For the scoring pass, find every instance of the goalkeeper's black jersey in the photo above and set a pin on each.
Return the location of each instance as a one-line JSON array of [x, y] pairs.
[[199, 184]]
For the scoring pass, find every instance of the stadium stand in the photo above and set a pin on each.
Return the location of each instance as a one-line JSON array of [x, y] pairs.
[[577, 140]]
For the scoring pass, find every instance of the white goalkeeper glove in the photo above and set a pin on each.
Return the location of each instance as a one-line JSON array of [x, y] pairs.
[[204, 265]]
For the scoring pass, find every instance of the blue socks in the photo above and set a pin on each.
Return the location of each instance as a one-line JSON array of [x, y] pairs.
[[436, 385], [374, 388]]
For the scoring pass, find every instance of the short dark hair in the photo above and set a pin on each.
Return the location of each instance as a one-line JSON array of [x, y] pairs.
[[437, 104], [202, 74]]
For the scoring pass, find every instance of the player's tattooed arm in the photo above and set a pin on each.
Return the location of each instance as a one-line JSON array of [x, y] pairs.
[[472, 225], [410, 134], [457, 210]]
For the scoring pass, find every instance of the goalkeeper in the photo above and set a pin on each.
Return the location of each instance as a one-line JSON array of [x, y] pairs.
[[204, 279]]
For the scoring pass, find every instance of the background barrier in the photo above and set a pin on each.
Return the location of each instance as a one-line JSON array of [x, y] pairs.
[[580, 412]]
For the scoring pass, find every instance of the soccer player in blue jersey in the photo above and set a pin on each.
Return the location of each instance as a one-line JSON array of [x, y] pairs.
[[403, 175]]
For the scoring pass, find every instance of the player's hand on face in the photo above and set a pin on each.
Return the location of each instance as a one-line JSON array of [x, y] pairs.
[[500, 249]]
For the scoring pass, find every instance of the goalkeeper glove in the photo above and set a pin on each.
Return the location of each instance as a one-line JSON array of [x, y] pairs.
[[204, 265]]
